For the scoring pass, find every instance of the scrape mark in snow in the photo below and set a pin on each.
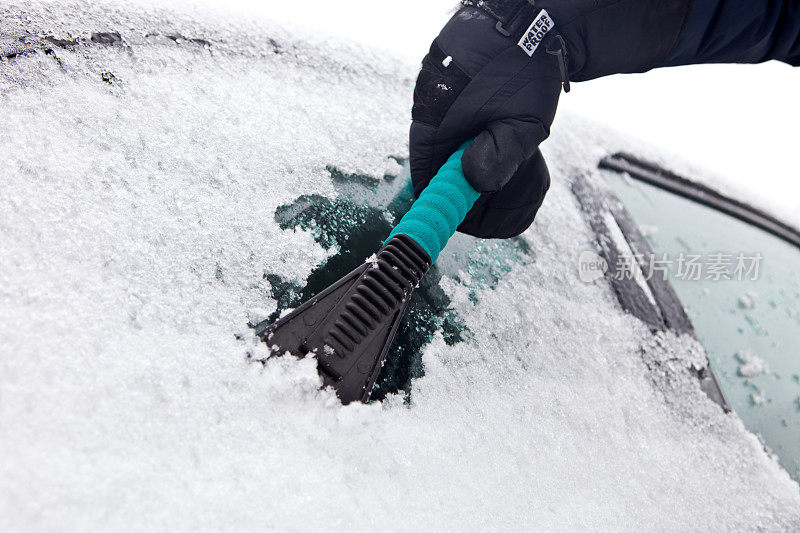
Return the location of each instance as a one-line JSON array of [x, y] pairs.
[[354, 225]]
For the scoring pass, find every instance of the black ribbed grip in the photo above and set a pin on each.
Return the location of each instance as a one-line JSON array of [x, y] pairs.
[[377, 295]]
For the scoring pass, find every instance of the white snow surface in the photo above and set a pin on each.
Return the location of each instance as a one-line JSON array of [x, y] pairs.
[[136, 222]]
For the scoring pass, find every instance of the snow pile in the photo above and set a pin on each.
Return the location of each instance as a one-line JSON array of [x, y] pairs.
[[140, 183], [750, 365], [748, 300]]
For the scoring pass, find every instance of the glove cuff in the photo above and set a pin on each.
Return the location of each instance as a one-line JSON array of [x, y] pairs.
[[618, 37], [602, 37]]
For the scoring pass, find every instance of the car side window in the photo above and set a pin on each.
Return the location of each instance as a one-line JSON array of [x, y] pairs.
[[739, 284]]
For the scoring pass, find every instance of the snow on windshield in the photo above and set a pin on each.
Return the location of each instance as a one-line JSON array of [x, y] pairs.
[[146, 156]]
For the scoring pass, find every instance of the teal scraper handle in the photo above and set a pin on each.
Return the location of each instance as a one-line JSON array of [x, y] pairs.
[[442, 206]]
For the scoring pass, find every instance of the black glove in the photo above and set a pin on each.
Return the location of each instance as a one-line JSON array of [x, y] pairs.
[[495, 73]]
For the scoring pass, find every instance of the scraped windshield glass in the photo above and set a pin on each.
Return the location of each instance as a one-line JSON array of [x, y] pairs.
[[740, 288], [354, 225]]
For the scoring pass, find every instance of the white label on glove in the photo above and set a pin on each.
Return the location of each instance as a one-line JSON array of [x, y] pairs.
[[536, 31]]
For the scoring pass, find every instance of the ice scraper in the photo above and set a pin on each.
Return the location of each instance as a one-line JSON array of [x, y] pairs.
[[349, 326]]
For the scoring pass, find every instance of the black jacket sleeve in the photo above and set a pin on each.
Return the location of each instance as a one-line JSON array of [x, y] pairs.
[[740, 31]]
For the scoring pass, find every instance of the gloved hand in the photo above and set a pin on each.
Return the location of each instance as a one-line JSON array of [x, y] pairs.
[[495, 73]]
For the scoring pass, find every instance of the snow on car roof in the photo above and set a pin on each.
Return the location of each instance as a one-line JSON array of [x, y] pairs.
[[147, 157]]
